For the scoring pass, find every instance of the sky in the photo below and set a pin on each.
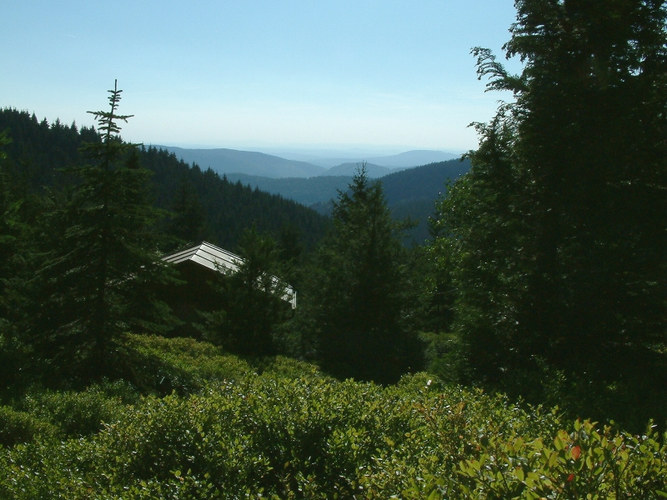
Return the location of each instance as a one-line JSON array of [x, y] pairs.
[[378, 75]]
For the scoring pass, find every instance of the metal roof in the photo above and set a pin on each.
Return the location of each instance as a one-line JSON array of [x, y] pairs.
[[220, 260], [207, 255]]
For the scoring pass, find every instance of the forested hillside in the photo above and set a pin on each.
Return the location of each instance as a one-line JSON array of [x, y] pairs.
[[203, 205], [420, 183], [423, 182], [411, 193], [229, 161], [308, 191]]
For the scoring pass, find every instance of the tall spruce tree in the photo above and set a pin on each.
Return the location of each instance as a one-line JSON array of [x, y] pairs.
[[100, 256], [557, 235], [356, 292], [251, 300]]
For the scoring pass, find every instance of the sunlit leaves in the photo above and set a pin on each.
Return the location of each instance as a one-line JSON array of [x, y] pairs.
[[293, 433]]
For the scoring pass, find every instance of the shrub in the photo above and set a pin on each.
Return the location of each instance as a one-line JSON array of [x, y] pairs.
[[286, 367], [81, 413], [20, 427], [161, 365], [276, 436], [587, 462]]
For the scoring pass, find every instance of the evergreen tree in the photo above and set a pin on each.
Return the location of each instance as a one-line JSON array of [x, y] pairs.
[[252, 300], [187, 223], [13, 232], [356, 293], [100, 256], [8, 234], [557, 234], [480, 252]]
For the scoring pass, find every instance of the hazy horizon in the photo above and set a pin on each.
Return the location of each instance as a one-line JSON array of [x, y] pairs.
[[316, 151]]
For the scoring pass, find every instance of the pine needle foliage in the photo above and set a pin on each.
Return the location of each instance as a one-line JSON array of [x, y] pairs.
[[100, 256], [357, 289], [556, 237]]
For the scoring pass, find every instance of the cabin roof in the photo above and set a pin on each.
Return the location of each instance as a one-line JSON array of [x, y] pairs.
[[207, 255], [220, 260]]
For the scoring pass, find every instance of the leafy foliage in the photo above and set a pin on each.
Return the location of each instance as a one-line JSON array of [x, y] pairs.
[[18, 426], [81, 413], [305, 435], [157, 365]]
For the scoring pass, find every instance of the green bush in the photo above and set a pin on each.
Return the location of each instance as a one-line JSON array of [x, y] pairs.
[[318, 438], [291, 432], [81, 413], [161, 365], [269, 435], [286, 367], [20, 427], [586, 462]]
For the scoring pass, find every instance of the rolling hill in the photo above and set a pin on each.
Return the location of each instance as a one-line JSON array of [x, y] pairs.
[[424, 182], [329, 159], [348, 169], [409, 193], [307, 191], [226, 161], [231, 161], [413, 158]]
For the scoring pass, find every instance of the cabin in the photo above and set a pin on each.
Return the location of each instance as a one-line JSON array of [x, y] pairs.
[[199, 267]]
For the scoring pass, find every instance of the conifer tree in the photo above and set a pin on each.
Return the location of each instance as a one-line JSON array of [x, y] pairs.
[[187, 223], [13, 231], [251, 299], [101, 256], [557, 234], [356, 292], [8, 234]]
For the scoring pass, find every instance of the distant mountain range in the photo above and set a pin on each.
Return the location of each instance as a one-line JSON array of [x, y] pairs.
[[227, 161], [410, 193], [412, 181], [424, 182], [332, 158], [413, 159], [232, 161]]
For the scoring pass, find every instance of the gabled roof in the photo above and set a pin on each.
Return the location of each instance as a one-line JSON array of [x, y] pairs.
[[220, 260], [207, 255]]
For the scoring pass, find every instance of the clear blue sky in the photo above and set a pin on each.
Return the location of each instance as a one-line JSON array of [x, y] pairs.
[[253, 74]]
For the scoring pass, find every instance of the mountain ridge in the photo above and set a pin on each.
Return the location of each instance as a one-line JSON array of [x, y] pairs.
[[328, 159], [409, 192], [225, 161]]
